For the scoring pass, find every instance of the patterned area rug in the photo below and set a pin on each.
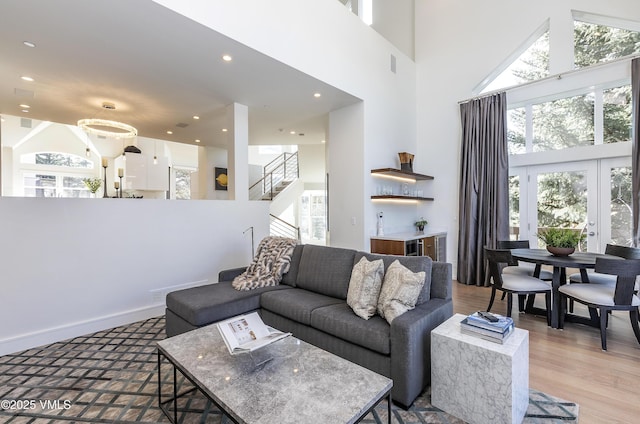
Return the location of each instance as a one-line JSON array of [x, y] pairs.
[[111, 376]]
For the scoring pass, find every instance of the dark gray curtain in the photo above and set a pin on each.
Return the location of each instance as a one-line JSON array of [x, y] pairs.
[[635, 150], [484, 184]]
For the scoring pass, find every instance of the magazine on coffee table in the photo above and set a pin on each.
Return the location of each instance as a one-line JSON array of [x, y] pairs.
[[246, 333]]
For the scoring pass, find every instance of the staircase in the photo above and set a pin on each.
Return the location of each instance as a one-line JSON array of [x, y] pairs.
[[277, 175]]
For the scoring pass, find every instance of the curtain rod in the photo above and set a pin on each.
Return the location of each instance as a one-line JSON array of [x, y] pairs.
[[550, 77]]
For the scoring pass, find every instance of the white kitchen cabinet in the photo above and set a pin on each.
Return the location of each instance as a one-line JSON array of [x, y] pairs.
[[140, 173]]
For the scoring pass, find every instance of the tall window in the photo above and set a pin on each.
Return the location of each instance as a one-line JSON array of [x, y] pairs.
[[568, 122]]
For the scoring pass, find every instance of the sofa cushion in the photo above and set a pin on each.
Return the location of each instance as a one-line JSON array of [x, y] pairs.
[[325, 270], [340, 321], [214, 302], [364, 287], [400, 290], [289, 278], [296, 304], [413, 263]]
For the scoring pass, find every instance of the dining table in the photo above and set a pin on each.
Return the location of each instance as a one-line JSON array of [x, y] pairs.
[[578, 260]]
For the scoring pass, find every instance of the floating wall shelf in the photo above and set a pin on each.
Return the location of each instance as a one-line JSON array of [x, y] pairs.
[[399, 173]]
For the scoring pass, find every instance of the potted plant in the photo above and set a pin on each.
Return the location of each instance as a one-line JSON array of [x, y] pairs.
[[420, 224], [93, 184], [561, 241]]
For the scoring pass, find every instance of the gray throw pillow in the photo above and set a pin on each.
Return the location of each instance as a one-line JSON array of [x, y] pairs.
[[364, 287], [400, 291]]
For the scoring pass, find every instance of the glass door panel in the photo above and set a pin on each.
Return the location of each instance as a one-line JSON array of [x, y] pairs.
[[562, 201], [616, 210]]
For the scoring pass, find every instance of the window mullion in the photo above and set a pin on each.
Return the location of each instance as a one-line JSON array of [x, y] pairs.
[[598, 117], [528, 128]]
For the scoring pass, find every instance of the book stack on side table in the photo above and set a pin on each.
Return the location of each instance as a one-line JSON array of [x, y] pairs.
[[492, 327]]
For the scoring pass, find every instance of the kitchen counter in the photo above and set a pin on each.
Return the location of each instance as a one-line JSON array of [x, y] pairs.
[[431, 242], [409, 235]]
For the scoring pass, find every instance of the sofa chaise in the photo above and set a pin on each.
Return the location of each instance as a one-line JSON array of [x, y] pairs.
[[310, 302]]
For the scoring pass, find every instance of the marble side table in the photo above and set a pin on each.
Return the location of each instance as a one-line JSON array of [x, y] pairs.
[[476, 380]]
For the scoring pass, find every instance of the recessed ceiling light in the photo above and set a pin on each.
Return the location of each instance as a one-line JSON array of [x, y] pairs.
[[26, 78], [29, 44], [197, 140], [316, 95], [25, 106], [292, 132], [227, 58], [169, 132], [323, 141], [196, 117], [25, 110], [224, 130]]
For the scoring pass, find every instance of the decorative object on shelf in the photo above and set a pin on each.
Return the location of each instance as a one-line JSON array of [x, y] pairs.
[[221, 179], [561, 241], [380, 226], [93, 184], [116, 185], [421, 223], [406, 161], [105, 165]]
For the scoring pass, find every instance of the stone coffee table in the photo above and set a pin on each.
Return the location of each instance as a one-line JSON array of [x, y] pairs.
[[288, 381]]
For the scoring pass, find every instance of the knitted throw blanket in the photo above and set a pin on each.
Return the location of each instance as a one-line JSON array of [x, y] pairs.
[[271, 262]]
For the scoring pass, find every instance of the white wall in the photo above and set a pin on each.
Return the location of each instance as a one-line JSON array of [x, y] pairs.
[[75, 266], [394, 20], [388, 115], [458, 43], [312, 163]]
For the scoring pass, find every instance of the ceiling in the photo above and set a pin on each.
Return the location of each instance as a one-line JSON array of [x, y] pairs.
[[160, 70]]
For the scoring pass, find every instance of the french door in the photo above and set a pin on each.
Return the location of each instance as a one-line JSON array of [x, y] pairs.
[[591, 196]]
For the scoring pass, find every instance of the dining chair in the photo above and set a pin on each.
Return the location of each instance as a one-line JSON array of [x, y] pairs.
[[522, 268], [509, 284], [603, 298], [625, 252]]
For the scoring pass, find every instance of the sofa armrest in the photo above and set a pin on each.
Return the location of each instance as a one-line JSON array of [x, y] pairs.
[[441, 280], [411, 348], [230, 274]]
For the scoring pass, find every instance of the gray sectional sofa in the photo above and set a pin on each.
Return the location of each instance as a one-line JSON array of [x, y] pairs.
[[311, 303]]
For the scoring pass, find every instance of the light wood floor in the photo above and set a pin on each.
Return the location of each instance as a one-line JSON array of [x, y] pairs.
[[570, 363]]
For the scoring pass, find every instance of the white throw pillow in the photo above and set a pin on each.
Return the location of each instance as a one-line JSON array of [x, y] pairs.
[[364, 287], [400, 290]]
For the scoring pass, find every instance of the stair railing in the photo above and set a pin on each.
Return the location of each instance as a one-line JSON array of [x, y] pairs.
[[281, 228], [283, 168]]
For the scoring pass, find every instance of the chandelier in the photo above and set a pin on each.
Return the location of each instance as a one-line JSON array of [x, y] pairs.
[[106, 128]]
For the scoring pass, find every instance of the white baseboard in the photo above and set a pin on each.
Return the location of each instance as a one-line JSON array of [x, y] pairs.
[[51, 335]]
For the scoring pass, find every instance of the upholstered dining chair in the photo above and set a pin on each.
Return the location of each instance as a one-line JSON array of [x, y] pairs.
[[523, 268], [509, 284], [625, 252], [611, 249], [604, 298]]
